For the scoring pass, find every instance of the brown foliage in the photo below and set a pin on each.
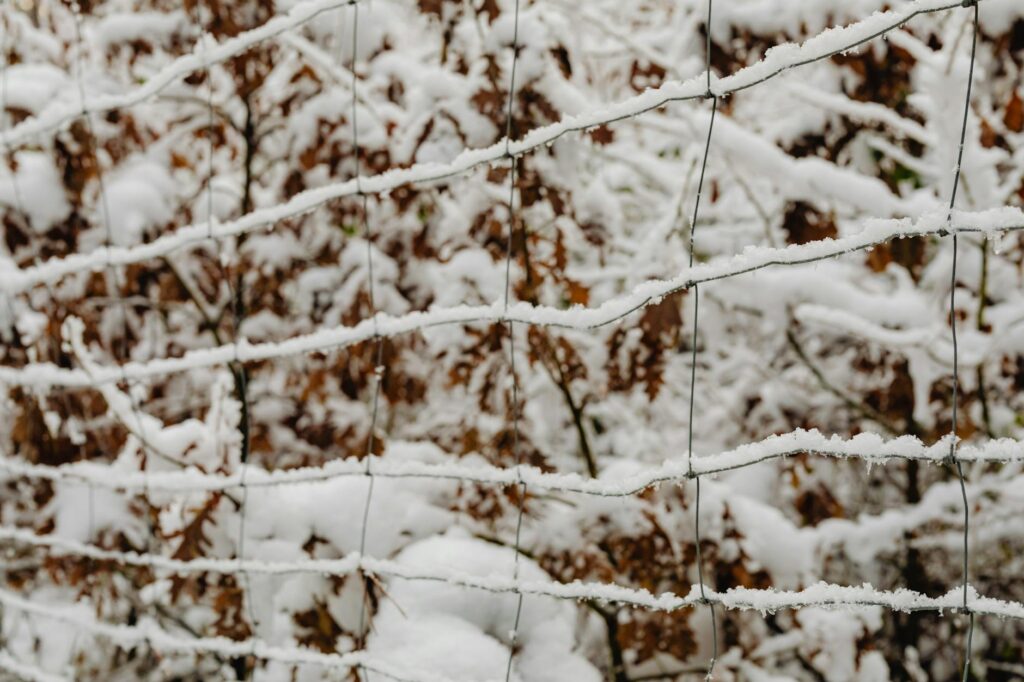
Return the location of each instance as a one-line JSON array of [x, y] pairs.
[[643, 362], [803, 223], [319, 630]]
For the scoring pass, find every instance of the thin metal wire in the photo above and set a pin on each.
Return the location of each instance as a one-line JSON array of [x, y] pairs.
[[728, 460], [111, 269], [125, 355], [116, 282], [129, 636], [315, 342], [208, 70], [79, 47], [956, 355], [693, 357], [173, 243], [243, 507], [513, 167], [236, 367], [378, 368], [523, 488], [8, 152], [172, 74], [740, 598], [512, 341], [18, 205], [235, 295]]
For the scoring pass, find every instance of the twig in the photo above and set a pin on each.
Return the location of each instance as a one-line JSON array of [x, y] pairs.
[[861, 409]]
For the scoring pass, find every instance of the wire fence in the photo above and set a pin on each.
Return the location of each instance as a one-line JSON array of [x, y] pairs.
[[379, 326]]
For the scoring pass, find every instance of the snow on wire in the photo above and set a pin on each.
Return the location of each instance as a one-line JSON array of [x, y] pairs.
[[61, 111], [776, 61], [867, 447], [151, 633], [379, 326], [692, 398], [764, 600], [876, 231], [822, 595]]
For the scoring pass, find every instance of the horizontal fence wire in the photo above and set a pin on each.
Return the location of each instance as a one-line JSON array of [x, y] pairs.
[[822, 594], [991, 222], [776, 61], [150, 633], [62, 112], [867, 447]]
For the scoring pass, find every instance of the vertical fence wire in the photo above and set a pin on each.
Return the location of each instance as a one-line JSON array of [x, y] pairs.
[[235, 294], [236, 302], [145, 445], [108, 238], [18, 205], [8, 152], [378, 366], [693, 355], [145, 448], [237, 368], [112, 271], [956, 355], [209, 133], [514, 634], [243, 507]]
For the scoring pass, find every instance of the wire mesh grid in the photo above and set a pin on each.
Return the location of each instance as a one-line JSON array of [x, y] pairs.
[[379, 326]]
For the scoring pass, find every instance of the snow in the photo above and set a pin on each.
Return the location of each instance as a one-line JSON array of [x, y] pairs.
[[118, 28], [137, 198], [36, 189], [831, 642], [875, 231], [862, 111], [305, 520], [426, 624], [26, 671], [149, 632], [31, 87], [31, 325], [781, 548], [61, 111], [405, 461], [456, 592], [776, 61]]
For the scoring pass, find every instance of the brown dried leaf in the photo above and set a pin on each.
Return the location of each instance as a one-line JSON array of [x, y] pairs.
[[319, 629], [1014, 116], [803, 223]]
